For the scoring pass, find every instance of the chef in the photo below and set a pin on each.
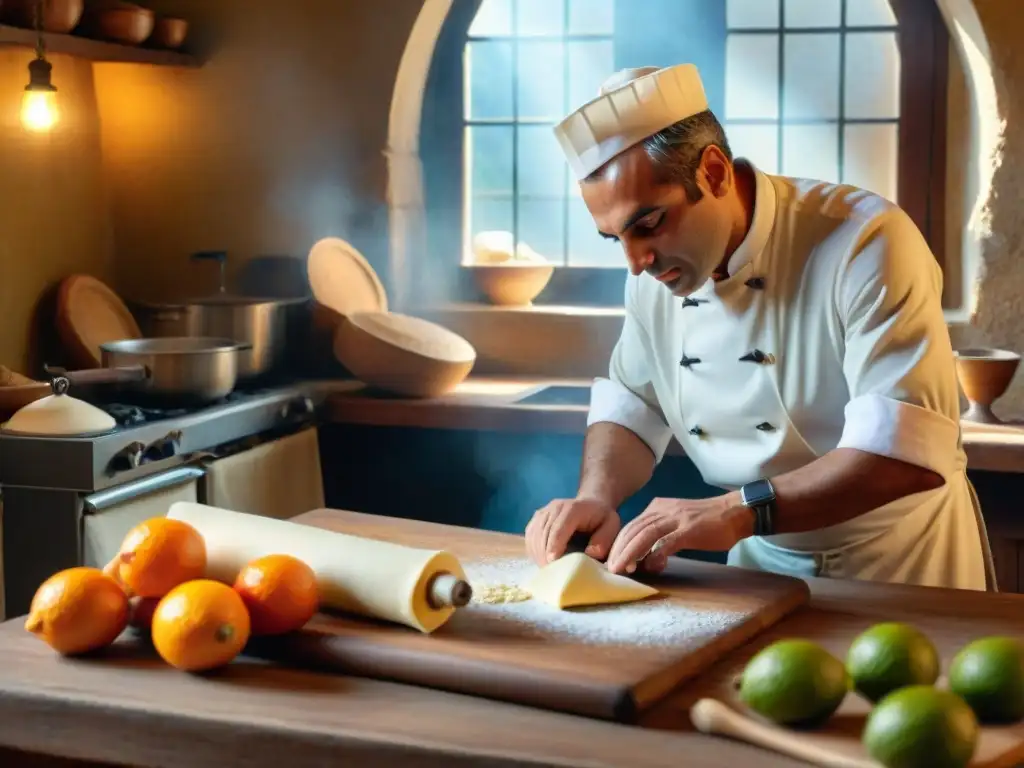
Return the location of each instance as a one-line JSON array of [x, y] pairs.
[[789, 334]]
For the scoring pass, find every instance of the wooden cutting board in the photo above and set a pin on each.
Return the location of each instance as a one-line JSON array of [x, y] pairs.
[[608, 667]]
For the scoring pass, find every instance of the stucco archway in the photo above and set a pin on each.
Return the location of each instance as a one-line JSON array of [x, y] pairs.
[[981, 247]]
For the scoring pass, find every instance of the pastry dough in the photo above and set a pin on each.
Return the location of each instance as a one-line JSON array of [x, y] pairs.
[[363, 576], [575, 580]]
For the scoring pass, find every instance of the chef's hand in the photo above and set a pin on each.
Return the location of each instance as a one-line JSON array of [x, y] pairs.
[[549, 531], [669, 525]]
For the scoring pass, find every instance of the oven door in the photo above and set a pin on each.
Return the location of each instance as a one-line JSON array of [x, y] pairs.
[[280, 478], [109, 514]]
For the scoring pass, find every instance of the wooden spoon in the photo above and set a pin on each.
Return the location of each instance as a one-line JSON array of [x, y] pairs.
[[713, 717]]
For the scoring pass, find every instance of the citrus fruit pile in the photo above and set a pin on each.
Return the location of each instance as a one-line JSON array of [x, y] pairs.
[[913, 723], [156, 584]]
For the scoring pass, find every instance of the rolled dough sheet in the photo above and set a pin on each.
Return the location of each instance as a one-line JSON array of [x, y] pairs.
[[367, 577], [576, 580]]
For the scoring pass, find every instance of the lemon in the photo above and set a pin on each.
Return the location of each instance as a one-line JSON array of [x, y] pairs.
[[890, 656], [921, 726], [989, 675], [794, 682]]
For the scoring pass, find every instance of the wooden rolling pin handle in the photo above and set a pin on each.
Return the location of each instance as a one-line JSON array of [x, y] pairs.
[[449, 591], [713, 717]]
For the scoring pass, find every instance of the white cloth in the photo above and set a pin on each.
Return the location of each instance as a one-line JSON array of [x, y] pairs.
[[840, 293]]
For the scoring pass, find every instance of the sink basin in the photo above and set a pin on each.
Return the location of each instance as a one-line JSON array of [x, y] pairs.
[[559, 394]]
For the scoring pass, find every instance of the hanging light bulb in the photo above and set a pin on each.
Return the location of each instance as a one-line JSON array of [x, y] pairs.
[[39, 111]]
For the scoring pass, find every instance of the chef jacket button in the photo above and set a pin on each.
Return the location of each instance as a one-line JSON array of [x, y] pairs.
[[764, 426], [757, 283], [691, 302], [686, 362], [757, 356], [696, 431]]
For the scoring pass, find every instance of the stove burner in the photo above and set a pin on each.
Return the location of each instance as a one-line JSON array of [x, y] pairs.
[[129, 415]]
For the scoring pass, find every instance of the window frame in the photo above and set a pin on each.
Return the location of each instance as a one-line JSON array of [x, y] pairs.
[[921, 164]]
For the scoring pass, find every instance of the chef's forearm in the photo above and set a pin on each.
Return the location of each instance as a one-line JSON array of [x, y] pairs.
[[843, 484], [616, 464]]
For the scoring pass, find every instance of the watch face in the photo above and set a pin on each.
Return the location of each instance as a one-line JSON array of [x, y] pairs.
[[757, 492]]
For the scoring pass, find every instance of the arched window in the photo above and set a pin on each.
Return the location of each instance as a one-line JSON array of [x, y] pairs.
[[840, 90]]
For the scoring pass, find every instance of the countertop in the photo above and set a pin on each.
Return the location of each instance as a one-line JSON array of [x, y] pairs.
[[129, 708], [494, 404]]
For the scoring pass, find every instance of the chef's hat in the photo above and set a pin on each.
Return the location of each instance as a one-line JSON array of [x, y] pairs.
[[633, 104]]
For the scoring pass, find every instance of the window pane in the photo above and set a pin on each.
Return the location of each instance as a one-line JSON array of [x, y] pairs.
[[752, 14], [813, 13], [490, 158], [493, 19], [752, 76], [541, 164], [870, 13], [757, 143], [586, 247], [811, 85], [872, 75], [590, 64], [489, 65], [811, 152], [540, 81], [542, 226], [870, 158], [591, 17], [540, 17], [487, 214]]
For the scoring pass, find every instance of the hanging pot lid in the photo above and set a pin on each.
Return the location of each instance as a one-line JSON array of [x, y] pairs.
[[342, 279], [59, 415]]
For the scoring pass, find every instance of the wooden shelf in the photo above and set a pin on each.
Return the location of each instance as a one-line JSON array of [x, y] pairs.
[[96, 50]]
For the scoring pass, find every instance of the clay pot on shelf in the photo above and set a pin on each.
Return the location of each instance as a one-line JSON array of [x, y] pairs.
[[124, 23], [169, 33], [984, 375], [59, 16], [512, 283]]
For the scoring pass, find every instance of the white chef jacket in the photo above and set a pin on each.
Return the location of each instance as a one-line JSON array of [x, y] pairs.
[[827, 333]]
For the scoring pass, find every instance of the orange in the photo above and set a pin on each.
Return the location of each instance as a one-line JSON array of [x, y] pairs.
[[78, 610], [142, 611], [280, 592], [158, 555], [200, 625]]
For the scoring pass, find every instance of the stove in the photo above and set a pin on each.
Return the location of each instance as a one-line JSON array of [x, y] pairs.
[[148, 440], [69, 501]]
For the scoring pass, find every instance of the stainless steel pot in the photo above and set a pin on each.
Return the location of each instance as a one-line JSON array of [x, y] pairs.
[[174, 369], [262, 323]]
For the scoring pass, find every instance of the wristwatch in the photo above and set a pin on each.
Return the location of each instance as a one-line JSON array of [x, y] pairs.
[[759, 498]]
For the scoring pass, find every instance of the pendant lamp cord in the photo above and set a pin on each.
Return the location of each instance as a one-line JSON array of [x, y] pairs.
[[40, 46]]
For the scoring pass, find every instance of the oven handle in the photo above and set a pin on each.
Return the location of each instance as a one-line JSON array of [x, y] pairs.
[[111, 497]]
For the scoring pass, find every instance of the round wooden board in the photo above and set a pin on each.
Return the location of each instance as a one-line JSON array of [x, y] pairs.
[[343, 280], [90, 314]]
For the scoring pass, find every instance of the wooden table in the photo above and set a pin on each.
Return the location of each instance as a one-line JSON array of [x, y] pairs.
[[129, 708]]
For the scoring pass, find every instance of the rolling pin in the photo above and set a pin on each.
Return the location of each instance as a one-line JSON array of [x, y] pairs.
[[416, 587], [713, 717]]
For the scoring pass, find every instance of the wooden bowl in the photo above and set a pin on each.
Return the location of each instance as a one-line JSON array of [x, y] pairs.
[[59, 16], [169, 33], [984, 375], [403, 355], [511, 284], [13, 399], [131, 26]]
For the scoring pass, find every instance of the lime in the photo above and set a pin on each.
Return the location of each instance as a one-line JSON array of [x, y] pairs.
[[794, 682], [890, 656], [921, 726], [989, 675]]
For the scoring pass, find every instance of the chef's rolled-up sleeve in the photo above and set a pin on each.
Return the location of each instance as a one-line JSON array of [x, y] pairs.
[[627, 396], [898, 360]]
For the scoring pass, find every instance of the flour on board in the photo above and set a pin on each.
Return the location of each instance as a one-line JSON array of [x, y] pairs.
[[502, 605]]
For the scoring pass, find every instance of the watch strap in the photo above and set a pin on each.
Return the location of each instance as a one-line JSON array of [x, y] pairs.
[[759, 498]]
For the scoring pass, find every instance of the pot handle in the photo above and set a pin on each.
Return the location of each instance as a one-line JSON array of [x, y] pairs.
[[122, 375], [243, 346]]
